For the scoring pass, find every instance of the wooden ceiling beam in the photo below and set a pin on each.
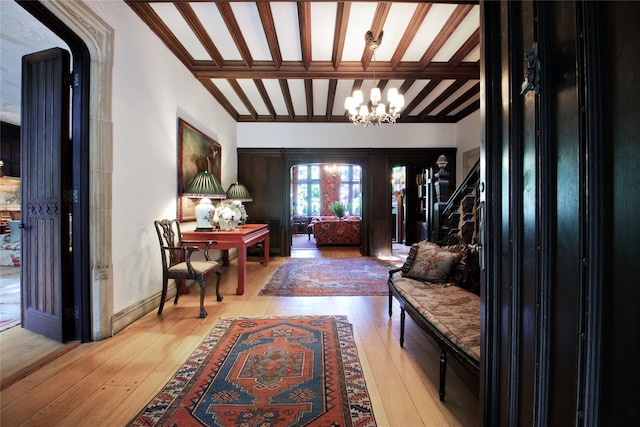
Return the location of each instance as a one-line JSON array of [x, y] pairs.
[[419, 97], [333, 70], [379, 18], [236, 33], [304, 20], [449, 27], [472, 42], [347, 71], [198, 29], [265, 97], [331, 98], [446, 94], [412, 29], [243, 96], [308, 91], [266, 17], [475, 106], [286, 94], [153, 21], [473, 91], [340, 32], [222, 100]]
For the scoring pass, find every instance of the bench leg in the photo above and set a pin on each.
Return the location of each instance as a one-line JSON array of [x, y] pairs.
[[443, 372], [402, 317], [390, 303]]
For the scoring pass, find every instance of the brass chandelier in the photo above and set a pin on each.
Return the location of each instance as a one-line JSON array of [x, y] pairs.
[[374, 111]]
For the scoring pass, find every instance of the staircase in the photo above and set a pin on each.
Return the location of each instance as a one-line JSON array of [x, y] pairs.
[[458, 214]]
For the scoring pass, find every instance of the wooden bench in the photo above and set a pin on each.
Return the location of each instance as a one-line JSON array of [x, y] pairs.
[[448, 310]]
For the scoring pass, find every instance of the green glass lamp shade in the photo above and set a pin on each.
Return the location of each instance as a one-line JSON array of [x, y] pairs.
[[239, 192], [205, 184]]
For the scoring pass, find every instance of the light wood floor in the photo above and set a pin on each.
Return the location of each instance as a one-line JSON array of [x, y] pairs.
[[106, 383]]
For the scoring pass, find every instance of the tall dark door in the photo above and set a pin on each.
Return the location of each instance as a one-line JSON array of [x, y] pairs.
[[47, 288], [560, 317]]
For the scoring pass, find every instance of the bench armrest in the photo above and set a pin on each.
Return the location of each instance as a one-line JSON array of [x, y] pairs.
[[394, 271]]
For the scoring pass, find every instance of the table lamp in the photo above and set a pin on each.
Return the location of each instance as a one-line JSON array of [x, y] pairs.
[[206, 187]]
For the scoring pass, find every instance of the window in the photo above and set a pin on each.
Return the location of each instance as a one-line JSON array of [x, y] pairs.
[[350, 188], [306, 190], [307, 201]]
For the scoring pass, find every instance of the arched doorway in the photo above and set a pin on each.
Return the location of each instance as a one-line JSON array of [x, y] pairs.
[[91, 44]]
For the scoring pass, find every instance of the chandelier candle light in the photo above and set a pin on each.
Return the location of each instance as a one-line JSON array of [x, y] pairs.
[[374, 111]]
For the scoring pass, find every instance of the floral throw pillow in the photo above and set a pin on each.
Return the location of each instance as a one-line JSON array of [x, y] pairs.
[[433, 264]]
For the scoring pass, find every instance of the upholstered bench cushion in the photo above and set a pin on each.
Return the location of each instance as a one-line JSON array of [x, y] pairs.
[[453, 311]]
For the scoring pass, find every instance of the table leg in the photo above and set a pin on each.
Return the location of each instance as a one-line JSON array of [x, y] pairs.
[[225, 257], [265, 261], [242, 269]]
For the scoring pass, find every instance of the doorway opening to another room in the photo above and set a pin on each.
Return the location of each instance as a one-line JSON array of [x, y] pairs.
[[399, 211], [314, 188]]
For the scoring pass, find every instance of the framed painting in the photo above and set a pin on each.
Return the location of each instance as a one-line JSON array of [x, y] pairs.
[[469, 160], [196, 153]]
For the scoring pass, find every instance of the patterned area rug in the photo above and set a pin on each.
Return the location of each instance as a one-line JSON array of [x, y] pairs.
[[329, 277], [269, 371]]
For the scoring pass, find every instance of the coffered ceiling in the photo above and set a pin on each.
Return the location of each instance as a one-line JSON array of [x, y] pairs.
[[297, 61]]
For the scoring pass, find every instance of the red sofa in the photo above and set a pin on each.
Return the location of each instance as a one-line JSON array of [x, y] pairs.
[[336, 231]]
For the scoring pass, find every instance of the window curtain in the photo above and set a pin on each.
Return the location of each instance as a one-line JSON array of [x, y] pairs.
[[329, 190]]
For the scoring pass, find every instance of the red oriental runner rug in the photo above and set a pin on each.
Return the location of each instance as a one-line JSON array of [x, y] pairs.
[[267, 371], [309, 277]]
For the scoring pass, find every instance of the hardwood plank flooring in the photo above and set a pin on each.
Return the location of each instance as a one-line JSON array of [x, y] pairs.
[[106, 383]]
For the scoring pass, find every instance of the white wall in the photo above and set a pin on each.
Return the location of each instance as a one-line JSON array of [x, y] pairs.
[[332, 135], [151, 90]]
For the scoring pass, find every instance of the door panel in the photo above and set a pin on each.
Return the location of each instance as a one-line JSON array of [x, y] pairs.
[[559, 320], [46, 284]]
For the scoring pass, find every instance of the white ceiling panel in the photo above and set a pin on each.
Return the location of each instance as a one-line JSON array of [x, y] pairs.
[[298, 96], [217, 30], [422, 61], [394, 28], [249, 88], [359, 23], [323, 18], [249, 21], [170, 15], [459, 36], [433, 95], [465, 87], [272, 87], [287, 30], [472, 100], [320, 89], [228, 92], [431, 26]]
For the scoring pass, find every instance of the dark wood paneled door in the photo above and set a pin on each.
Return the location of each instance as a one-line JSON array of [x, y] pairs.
[[47, 289], [560, 318]]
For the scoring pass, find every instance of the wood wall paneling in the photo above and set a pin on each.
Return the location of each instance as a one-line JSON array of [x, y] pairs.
[[266, 173], [559, 321], [262, 175], [619, 154]]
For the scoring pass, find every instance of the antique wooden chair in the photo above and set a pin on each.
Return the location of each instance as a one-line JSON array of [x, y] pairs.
[[177, 263]]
